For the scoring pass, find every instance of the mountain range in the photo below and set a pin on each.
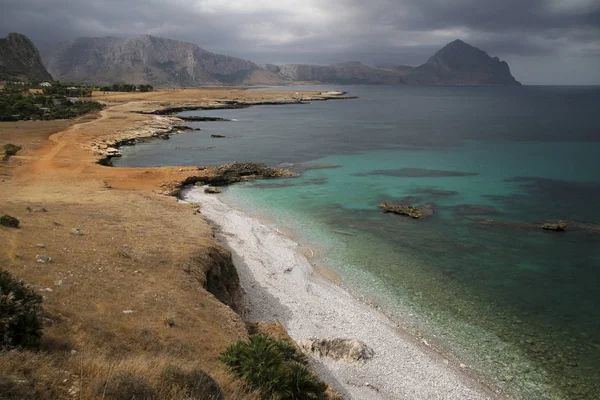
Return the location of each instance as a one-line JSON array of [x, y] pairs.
[[171, 63]]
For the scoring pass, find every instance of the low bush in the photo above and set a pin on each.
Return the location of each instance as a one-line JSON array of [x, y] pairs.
[[10, 149], [196, 384], [274, 367], [20, 309], [11, 222], [126, 386]]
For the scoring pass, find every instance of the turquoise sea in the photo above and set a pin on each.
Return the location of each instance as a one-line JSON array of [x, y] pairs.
[[479, 278]]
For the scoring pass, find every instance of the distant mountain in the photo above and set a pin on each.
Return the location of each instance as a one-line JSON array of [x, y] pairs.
[[350, 72], [20, 60], [145, 60], [458, 63], [163, 62]]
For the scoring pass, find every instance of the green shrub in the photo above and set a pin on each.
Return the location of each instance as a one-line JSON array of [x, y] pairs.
[[274, 367], [10, 149], [11, 222], [20, 308], [196, 384], [126, 386]]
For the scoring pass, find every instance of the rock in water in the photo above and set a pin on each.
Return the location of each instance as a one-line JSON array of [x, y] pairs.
[[212, 190], [408, 210], [558, 226], [349, 350]]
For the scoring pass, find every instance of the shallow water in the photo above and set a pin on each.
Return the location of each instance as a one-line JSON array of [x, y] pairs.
[[519, 303]]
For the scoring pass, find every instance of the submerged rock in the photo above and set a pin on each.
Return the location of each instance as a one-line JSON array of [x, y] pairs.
[[558, 226], [408, 210], [349, 350]]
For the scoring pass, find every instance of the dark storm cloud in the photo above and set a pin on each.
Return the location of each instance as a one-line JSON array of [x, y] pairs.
[[529, 34]]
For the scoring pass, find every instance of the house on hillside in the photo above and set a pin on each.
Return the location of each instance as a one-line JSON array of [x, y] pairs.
[[45, 84]]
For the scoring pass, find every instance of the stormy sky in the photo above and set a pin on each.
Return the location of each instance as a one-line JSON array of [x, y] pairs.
[[544, 41]]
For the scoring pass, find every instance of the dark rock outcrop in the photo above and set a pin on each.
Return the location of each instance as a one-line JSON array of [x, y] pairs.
[[408, 210], [20, 60]]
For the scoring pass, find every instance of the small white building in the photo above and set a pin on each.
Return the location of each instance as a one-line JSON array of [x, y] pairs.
[[45, 84]]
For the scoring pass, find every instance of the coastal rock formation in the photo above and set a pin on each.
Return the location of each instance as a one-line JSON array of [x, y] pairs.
[[408, 210], [349, 350], [20, 60], [225, 175], [558, 226], [143, 60], [157, 126]]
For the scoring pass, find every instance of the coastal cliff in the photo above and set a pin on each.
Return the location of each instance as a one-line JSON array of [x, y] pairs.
[[20, 60]]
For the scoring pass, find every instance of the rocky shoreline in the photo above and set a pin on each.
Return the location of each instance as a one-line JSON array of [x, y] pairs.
[[162, 122]]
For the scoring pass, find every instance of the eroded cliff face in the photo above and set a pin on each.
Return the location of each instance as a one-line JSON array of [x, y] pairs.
[[213, 268], [143, 60], [20, 60]]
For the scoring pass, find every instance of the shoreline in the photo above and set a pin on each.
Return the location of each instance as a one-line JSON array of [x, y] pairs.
[[162, 122], [282, 284]]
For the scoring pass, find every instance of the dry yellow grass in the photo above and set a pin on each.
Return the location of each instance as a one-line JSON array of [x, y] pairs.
[[131, 257]]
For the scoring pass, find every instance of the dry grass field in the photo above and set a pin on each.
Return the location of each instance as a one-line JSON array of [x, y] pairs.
[[125, 300]]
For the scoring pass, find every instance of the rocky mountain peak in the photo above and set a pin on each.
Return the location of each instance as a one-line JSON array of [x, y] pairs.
[[20, 59], [460, 63], [143, 59]]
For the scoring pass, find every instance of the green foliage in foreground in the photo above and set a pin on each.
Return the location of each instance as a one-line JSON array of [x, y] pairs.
[[274, 367], [10, 149], [19, 106], [11, 222], [20, 308]]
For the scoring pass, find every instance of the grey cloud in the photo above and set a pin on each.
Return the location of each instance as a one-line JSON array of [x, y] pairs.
[[381, 32]]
